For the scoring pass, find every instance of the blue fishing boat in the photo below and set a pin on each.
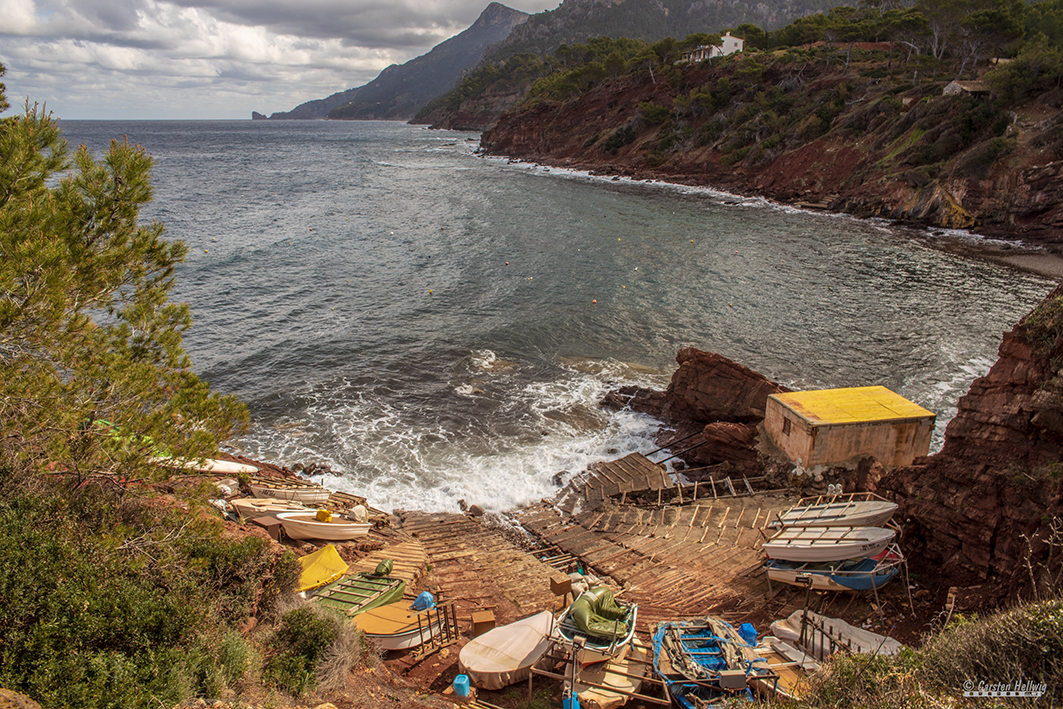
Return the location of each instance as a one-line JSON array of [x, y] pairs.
[[705, 661], [864, 574]]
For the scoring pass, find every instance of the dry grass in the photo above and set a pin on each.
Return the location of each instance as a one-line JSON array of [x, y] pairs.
[[1024, 644]]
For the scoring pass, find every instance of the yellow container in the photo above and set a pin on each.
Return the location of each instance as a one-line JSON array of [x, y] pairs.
[[324, 515]]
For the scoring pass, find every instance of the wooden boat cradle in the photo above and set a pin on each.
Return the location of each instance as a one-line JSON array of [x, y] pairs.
[[564, 651], [444, 615]]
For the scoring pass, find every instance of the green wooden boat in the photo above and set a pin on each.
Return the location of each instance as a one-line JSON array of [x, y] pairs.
[[360, 592]]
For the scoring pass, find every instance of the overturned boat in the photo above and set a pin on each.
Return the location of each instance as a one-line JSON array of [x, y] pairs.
[[815, 544], [855, 510], [848, 575], [822, 636]]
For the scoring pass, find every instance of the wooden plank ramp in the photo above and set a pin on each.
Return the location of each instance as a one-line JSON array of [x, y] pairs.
[[463, 553], [676, 561], [409, 562]]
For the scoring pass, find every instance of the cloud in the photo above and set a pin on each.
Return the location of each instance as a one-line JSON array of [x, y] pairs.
[[211, 58]]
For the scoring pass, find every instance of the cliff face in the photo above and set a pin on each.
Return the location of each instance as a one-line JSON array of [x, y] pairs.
[[984, 506], [829, 138]]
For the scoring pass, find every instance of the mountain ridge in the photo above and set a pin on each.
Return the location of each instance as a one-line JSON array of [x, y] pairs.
[[399, 91]]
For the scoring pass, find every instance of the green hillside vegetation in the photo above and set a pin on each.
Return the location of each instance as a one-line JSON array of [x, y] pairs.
[[118, 587], [935, 39], [647, 20]]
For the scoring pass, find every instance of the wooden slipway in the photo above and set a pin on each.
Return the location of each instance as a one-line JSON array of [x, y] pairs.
[[675, 560]]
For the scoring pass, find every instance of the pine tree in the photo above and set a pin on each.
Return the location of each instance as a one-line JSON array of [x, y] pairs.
[[93, 376]]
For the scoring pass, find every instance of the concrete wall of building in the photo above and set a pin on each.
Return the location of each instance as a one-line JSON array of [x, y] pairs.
[[892, 443]]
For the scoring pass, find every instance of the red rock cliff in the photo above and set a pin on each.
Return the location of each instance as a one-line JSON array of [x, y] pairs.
[[979, 509]]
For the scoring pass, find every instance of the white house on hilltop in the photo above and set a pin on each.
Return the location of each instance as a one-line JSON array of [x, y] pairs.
[[728, 45]]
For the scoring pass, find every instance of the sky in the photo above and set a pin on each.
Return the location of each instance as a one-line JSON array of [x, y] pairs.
[[212, 59]]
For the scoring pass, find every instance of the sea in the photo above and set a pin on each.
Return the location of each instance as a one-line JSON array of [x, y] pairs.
[[438, 326]]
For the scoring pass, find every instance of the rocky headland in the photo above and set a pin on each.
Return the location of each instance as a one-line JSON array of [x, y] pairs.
[[807, 133]]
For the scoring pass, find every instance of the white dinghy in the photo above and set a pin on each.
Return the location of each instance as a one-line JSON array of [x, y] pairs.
[[827, 543], [857, 510]]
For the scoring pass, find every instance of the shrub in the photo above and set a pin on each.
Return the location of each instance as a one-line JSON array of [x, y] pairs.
[[302, 640], [618, 139], [654, 113], [978, 161]]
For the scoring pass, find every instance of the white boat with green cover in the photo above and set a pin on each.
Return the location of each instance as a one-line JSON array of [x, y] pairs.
[[604, 624]]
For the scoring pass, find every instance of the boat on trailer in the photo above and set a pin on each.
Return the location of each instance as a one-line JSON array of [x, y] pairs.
[[814, 544], [604, 624], [704, 661], [849, 575], [854, 510]]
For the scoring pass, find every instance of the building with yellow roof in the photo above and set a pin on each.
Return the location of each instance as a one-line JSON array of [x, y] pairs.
[[831, 426]]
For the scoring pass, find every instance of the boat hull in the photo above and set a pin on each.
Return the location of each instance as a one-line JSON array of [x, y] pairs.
[[816, 544], [701, 661], [254, 507], [396, 627], [863, 575], [858, 513], [303, 525]]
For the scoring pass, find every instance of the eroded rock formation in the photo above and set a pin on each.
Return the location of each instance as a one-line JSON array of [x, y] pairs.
[[714, 403]]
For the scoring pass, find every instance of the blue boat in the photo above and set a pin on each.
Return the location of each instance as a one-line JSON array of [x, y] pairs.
[[865, 574], [705, 661]]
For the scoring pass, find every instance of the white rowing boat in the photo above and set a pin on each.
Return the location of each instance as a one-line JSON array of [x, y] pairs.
[[207, 465], [827, 543], [837, 513], [306, 525]]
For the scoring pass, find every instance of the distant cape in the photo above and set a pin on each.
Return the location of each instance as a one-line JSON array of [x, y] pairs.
[[401, 90]]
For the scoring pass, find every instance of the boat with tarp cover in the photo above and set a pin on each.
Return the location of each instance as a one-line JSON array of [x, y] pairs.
[[604, 624]]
